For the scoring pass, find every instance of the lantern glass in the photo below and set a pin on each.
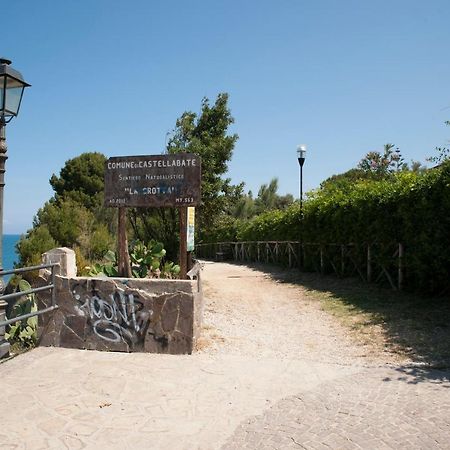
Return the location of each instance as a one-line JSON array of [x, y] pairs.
[[11, 91], [301, 152]]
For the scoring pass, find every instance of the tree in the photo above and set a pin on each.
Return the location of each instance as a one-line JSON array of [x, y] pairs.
[[37, 241], [443, 153], [383, 164], [268, 198], [246, 207], [345, 180], [75, 216], [205, 134], [81, 179]]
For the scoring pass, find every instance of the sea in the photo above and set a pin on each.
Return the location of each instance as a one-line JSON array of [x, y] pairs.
[[9, 250]]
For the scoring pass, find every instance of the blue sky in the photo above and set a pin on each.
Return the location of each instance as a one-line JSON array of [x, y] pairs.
[[342, 77]]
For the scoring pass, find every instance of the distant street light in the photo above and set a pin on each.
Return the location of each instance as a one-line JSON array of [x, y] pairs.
[[301, 156], [12, 86]]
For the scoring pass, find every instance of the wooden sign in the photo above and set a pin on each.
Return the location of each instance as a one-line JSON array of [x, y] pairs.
[[153, 181]]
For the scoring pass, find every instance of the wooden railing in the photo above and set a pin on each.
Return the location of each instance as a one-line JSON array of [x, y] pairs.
[[371, 262]]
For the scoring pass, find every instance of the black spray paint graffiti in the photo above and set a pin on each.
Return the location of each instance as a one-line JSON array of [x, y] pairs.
[[120, 318]]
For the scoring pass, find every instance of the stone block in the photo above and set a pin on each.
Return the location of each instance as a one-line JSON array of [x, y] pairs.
[[63, 256]]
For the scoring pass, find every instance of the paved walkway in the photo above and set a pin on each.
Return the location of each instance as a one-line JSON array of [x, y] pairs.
[[400, 408], [232, 398]]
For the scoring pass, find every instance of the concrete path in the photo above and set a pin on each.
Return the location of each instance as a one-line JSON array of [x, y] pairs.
[[230, 394]]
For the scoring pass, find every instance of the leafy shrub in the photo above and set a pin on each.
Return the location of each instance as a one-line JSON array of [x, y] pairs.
[[23, 332], [146, 262], [411, 208]]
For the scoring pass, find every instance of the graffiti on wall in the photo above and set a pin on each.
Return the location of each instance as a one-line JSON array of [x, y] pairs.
[[120, 317]]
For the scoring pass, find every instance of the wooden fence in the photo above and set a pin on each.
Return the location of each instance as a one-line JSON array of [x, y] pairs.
[[371, 262]]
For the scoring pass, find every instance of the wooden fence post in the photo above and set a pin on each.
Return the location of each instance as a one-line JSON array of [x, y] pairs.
[[369, 264], [322, 262], [400, 266]]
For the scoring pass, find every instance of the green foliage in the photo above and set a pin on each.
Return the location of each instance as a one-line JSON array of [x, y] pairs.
[[160, 224], [346, 179], [146, 259], [37, 241], [207, 135], [107, 268], [383, 164], [245, 206], [23, 332], [146, 262], [66, 221], [98, 242], [226, 230], [170, 270], [81, 262], [408, 207], [75, 216], [269, 199], [81, 179], [443, 153]]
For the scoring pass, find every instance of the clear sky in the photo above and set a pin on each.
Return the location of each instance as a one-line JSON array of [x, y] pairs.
[[343, 77]]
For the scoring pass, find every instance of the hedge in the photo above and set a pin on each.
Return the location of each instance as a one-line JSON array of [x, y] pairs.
[[411, 208]]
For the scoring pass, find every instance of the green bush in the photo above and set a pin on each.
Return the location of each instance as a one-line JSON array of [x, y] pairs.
[[411, 208], [146, 262], [24, 332]]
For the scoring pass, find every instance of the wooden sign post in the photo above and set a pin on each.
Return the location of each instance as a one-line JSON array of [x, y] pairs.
[[124, 266], [152, 181]]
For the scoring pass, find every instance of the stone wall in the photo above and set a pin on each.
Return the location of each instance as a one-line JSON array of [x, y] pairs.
[[121, 314]]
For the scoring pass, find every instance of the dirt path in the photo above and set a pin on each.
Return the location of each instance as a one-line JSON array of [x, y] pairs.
[[248, 312]]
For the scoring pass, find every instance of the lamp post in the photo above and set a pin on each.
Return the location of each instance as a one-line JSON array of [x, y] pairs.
[[12, 86], [301, 156]]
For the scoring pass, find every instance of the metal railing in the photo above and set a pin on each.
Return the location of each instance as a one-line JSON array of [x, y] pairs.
[[50, 286]]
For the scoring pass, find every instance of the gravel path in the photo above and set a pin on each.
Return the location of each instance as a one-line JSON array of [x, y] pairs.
[[380, 404], [248, 312]]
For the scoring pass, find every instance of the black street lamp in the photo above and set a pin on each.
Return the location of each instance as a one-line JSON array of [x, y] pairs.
[[301, 156], [12, 86]]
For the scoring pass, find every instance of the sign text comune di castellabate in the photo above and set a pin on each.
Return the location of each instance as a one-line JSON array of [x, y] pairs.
[[151, 164]]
